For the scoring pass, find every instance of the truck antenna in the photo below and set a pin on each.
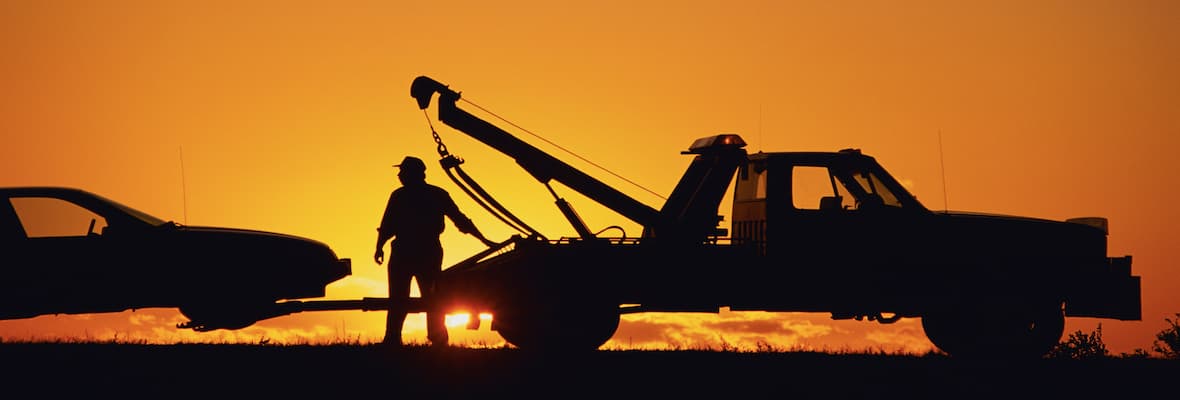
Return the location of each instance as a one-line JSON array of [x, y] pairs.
[[183, 187], [942, 166], [760, 126]]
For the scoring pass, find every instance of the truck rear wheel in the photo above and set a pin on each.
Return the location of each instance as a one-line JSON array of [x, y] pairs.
[[551, 327], [1003, 333]]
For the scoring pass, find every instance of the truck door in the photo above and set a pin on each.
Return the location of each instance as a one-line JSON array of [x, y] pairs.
[[836, 226], [818, 226]]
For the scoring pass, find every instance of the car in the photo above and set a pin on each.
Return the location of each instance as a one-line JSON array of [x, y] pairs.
[[70, 251]]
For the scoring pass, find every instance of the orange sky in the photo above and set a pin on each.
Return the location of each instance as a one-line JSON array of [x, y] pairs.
[[290, 113]]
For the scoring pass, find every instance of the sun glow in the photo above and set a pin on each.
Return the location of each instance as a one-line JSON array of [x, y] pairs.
[[457, 320], [463, 319]]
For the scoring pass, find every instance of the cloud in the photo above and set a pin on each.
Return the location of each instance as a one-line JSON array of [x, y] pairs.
[[766, 330], [141, 319], [355, 285], [907, 337], [748, 330], [733, 330], [643, 331], [748, 326]]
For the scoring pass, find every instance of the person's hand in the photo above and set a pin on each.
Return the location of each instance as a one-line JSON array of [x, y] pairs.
[[379, 256]]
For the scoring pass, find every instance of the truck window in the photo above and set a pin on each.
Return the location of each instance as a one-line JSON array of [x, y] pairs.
[[871, 183], [752, 185], [51, 217], [813, 188]]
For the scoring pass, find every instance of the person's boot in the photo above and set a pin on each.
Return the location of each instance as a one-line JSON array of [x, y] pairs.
[[439, 342], [391, 342]]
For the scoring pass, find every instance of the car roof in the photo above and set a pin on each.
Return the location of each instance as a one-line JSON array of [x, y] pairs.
[[41, 190]]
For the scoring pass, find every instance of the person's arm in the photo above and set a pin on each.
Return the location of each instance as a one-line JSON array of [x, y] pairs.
[[461, 221], [466, 226], [384, 231], [379, 255]]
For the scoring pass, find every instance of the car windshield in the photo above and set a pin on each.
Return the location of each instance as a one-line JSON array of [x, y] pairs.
[[140, 215]]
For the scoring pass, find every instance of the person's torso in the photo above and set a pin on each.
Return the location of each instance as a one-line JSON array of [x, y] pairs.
[[418, 212]]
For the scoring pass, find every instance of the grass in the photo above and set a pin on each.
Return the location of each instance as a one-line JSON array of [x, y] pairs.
[[353, 367], [359, 341]]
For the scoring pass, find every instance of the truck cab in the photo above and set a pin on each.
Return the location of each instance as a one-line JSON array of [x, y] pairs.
[[819, 193], [836, 233], [829, 225]]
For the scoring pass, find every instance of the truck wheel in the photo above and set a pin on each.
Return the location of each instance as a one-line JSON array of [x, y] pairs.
[[572, 327], [942, 330], [1040, 330], [1002, 334]]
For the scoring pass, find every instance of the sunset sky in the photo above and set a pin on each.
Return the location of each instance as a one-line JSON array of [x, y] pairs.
[[289, 114]]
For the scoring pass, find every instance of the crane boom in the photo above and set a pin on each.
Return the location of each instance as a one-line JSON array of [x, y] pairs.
[[539, 164]]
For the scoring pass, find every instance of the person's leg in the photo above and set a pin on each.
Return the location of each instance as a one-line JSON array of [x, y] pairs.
[[399, 292], [436, 327]]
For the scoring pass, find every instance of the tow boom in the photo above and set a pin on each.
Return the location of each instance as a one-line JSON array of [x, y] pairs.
[[539, 164]]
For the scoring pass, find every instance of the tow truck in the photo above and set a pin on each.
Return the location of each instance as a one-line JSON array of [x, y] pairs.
[[828, 232]]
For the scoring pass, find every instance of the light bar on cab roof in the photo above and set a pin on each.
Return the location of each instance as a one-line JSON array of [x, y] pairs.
[[711, 142]]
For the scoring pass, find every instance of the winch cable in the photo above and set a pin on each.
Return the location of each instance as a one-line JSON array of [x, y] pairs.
[[551, 143], [483, 203], [449, 161], [520, 225], [474, 190]]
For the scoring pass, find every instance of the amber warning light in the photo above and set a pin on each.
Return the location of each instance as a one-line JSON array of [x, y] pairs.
[[725, 140]]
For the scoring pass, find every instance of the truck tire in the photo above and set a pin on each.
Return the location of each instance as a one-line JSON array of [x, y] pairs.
[[997, 333], [572, 326]]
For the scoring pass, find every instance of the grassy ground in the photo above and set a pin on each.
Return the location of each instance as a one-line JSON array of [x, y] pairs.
[[121, 370]]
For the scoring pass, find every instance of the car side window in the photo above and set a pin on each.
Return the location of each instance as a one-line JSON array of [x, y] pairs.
[[51, 217]]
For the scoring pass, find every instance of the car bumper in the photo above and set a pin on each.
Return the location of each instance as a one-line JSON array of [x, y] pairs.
[[342, 269]]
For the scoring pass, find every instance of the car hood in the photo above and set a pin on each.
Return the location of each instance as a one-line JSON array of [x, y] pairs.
[[213, 230], [247, 243], [245, 250]]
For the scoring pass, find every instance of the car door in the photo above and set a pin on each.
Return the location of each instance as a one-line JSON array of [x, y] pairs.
[[62, 265]]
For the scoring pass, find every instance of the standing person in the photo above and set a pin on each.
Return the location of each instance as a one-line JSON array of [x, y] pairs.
[[414, 220]]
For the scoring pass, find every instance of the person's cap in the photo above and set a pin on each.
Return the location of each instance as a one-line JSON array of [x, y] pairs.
[[412, 163]]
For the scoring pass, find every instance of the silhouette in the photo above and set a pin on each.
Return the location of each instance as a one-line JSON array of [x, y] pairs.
[[829, 232], [414, 219], [69, 251]]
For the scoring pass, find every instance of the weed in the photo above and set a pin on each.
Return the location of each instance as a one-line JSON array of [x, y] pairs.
[[1081, 346], [1167, 341]]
